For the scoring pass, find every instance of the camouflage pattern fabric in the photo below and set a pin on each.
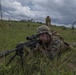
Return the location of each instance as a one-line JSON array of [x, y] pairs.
[[48, 21], [73, 44], [43, 29], [57, 44], [54, 48]]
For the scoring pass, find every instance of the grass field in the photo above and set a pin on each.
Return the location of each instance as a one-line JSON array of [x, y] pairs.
[[16, 32]]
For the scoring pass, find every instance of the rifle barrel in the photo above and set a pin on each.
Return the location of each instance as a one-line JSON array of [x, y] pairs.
[[30, 44], [5, 53]]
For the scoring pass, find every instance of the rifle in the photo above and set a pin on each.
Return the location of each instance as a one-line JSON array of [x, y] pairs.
[[19, 47], [31, 43]]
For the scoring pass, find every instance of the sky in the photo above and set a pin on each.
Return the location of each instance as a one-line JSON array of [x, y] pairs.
[[60, 11]]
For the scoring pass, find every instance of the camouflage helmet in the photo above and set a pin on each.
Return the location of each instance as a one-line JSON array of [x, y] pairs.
[[43, 29]]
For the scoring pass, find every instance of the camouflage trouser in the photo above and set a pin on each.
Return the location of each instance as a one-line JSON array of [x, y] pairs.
[[73, 44], [70, 45]]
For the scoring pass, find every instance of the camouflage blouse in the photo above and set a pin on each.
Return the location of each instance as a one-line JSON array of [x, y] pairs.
[[54, 48]]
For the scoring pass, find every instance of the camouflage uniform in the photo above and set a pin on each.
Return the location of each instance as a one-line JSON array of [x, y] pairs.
[[48, 21], [56, 45]]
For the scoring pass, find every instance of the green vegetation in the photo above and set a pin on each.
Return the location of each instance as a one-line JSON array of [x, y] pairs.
[[36, 64]]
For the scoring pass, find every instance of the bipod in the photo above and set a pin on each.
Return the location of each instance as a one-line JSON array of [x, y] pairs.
[[19, 52]]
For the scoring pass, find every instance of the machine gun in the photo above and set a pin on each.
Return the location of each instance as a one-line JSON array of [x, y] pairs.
[[31, 43]]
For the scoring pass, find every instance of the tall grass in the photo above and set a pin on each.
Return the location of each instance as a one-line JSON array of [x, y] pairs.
[[35, 63]]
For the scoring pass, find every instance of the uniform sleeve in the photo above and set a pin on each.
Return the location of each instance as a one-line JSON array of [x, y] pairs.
[[56, 48]]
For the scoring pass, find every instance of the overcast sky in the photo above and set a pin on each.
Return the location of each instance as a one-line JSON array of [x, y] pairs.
[[60, 11]]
